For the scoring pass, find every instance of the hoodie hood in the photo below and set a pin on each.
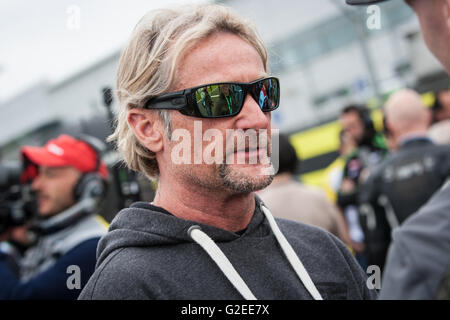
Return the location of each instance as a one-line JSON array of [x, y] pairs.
[[145, 225]]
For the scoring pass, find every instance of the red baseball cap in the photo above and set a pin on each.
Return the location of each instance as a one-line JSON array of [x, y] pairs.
[[65, 151]]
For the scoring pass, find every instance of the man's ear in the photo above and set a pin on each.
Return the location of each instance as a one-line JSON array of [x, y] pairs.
[[391, 128], [147, 128]]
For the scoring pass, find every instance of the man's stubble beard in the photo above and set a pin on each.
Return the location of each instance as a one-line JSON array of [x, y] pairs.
[[225, 178], [237, 179], [240, 182]]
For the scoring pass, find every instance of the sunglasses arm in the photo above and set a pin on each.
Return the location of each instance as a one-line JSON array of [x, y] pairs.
[[174, 101]]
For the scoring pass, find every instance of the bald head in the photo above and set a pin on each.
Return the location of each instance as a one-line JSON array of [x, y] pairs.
[[406, 114]]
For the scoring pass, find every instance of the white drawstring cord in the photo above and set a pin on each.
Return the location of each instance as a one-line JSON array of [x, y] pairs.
[[227, 268], [292, 256], [221, 260]]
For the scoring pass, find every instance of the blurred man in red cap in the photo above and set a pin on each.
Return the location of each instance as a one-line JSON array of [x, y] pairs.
[[69, 180]]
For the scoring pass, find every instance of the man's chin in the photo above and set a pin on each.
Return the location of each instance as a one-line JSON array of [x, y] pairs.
[[245, 178], [45, 212]]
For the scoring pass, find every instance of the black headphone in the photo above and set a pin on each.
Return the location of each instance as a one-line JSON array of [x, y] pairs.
[[91, 184], [364, 115]]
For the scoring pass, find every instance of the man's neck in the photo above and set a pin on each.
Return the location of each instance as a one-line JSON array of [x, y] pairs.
[[220, 209], [411, 135]]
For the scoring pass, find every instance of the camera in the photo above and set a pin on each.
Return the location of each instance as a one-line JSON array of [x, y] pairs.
[[17, 201]]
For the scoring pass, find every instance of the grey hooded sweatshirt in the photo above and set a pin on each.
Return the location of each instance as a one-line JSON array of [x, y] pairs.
[[149, 253]]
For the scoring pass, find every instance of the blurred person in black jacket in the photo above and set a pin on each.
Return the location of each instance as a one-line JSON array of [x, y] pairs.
[[370, 150], [407, 178], [410, 176]]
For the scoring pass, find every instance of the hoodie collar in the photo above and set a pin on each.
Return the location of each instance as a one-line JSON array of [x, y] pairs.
[[147, 218]]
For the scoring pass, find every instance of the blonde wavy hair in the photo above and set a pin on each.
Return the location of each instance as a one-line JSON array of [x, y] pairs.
[[148, 65]]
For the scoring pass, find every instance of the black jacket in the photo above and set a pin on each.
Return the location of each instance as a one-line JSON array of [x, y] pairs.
[[408, 178], [418, 264], [398, 187]]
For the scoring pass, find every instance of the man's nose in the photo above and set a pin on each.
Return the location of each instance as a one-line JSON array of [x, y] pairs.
[[251, 116]]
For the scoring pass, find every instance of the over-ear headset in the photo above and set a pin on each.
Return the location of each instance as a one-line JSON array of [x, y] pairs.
[[91, 184], [364, 115]]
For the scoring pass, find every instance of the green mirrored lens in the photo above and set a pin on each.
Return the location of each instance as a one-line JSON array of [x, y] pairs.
[[204, 99], [219, 100], [226, 99]]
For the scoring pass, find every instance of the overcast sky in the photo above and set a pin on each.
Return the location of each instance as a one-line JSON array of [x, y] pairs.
[[52, 39]]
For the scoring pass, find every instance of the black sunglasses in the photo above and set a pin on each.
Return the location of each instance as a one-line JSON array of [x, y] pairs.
[[219, 100]]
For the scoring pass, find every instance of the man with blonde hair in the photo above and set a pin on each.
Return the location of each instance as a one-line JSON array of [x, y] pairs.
[[206, 235]]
